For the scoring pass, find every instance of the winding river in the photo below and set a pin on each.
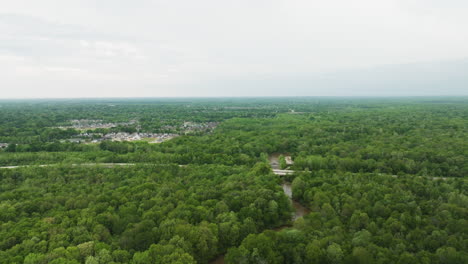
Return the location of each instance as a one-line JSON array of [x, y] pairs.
[[299, 209]]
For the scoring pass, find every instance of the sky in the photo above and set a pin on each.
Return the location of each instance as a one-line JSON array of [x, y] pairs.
[[215, 48]]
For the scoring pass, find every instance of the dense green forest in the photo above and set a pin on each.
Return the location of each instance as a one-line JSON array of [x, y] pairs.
[[384, 179]]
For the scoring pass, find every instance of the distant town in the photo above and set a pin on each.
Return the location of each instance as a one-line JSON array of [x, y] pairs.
[[121, 136], [90, 124], [87, 126]]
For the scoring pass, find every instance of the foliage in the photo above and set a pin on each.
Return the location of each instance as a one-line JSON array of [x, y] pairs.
[[385, 180]]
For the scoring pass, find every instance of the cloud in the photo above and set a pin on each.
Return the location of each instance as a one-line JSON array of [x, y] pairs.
[[35, 37], [225, 47]]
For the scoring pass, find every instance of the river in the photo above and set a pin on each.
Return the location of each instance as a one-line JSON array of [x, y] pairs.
[[299, 210]]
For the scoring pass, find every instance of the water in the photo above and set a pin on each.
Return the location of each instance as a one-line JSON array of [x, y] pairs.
[[274, 160], [299, 210]]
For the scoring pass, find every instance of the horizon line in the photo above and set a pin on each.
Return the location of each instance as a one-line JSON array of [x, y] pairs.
[[239, 97]]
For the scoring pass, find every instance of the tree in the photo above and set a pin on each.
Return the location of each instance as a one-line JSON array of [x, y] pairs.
[[282, 162], [361, 238], [314, 254], [34, 258], [449, 255], [362, 256], [141, 258], [335, 253]]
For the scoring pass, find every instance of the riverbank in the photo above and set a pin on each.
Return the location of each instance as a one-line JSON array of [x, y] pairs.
[[299, 209]]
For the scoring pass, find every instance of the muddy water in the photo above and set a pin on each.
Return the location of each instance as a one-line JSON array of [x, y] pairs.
[[299, 210], [274, 160]]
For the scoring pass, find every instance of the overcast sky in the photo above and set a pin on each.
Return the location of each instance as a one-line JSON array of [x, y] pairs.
[[121, 48]]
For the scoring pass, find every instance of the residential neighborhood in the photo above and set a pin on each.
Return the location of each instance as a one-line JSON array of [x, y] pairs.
[[90, 124], [121, 136], [87, 126], [193, 126]]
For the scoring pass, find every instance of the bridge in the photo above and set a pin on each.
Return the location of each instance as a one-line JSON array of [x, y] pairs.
[[282, 172]]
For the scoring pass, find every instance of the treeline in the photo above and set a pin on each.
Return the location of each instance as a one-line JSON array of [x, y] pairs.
[[422, 139], [189, 150], [36, 121]]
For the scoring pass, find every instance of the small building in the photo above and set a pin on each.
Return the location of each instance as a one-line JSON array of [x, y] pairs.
[[288, 160]]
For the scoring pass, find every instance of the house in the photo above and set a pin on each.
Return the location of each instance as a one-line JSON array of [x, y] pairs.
[[134, 136]]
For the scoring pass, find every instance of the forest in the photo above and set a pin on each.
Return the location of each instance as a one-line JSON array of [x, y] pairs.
[[383, 179]]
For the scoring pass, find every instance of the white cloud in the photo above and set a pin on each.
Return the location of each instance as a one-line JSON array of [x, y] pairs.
[[105, 48], [84, 43], [178, 47]]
